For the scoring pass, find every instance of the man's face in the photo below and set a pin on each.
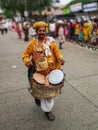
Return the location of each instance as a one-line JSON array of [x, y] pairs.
[[41, 32]]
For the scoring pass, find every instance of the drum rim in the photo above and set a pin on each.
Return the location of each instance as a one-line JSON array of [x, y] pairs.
[[37, 82], [60, 81]]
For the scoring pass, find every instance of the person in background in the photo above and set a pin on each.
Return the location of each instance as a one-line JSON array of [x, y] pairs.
[[13, 25], [61, 35], [72, 30], [26, 31], [32, 32], [77, 30], [42, 47], [19, 29], [67, 30], [86, 32], [94, 37], [3, 25], [97, 35], [52, 27], [81, 37]]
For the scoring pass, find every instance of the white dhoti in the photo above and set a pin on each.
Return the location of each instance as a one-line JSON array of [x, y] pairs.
[[47, 104]]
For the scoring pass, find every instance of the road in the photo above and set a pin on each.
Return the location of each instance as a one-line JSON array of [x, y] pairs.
[[75, 109]]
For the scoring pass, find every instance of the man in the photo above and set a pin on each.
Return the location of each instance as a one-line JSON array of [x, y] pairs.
[[3, 25], [42, 47], [52, 28]]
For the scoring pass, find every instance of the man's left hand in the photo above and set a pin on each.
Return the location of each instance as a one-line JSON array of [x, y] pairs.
[[62, 61]]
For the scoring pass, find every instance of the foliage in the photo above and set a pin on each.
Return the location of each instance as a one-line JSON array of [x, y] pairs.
[[22, 5], [9, 13]]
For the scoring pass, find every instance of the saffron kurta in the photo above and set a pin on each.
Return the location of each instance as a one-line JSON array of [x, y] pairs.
[[53, 59]]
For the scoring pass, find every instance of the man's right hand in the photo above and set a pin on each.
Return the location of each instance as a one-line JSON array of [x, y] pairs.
[[29, 63]]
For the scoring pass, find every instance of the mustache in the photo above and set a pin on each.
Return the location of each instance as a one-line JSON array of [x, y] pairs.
[[41, 34]]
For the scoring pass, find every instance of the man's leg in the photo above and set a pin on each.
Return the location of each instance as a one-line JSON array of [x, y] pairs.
[[46, 106], [60, 46]]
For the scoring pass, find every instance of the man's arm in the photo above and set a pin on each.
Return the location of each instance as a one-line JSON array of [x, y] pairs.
[[27, 54], [57, 53]]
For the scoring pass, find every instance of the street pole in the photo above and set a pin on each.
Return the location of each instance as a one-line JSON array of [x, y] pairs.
[[25, 1], [26, 12]]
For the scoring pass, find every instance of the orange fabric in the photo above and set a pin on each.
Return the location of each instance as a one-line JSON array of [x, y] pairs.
[[53, 61]]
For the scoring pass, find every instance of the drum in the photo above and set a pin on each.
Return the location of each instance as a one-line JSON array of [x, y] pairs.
[[56, 76], [39, 78], [47, 86]]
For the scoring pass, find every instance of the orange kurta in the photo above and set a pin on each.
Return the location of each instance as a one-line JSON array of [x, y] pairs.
[[53, 60]]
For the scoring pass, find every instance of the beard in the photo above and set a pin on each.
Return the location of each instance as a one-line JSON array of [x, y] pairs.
[[41, 36]]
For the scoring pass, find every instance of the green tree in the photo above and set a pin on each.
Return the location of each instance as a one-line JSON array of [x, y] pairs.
[[22, 5], [12, 6]]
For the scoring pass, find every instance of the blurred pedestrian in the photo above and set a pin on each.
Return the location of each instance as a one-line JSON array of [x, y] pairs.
[[61, 34], [32, 32], [3, 25], [19, 29], [26, 31]]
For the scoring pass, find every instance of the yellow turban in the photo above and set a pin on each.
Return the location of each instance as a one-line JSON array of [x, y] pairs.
[[40, 24]]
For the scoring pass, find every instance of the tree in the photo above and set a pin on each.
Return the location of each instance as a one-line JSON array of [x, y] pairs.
[[12, 6], [21, 6]]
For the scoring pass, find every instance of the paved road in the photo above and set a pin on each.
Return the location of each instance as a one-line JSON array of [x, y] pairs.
[[75, 109]]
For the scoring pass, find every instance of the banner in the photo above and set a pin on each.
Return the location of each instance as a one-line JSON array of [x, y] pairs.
[[90, 7], [66, 11], [76, 7]]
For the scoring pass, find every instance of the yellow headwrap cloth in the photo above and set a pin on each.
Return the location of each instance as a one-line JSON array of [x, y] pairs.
[[40, 24]]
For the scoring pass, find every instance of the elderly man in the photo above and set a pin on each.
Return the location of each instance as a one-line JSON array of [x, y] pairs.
[[42, 46]]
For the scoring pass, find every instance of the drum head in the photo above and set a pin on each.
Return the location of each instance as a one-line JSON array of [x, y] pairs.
[[55, 77], [39, 78]]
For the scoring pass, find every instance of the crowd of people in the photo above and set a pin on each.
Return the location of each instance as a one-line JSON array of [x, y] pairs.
[[78, 30], [23, 29]]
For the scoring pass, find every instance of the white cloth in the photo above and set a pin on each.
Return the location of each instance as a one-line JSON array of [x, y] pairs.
[[52, 27], [2, 24], [47, 104], [47, 46], [61, 36], [32, 32]]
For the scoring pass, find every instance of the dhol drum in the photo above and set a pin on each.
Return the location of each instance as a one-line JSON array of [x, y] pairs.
[[56, 77], [47, 86]]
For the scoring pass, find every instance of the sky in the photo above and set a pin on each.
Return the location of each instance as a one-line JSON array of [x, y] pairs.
[[64, 2]]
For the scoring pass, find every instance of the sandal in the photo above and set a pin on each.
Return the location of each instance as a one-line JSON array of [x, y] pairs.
[[50, 116]]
